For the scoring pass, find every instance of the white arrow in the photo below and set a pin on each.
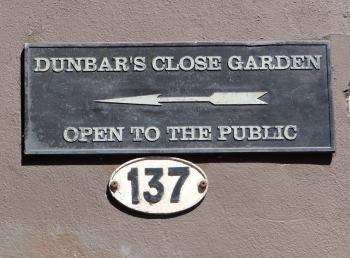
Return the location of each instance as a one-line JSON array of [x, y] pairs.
[[217, 98]]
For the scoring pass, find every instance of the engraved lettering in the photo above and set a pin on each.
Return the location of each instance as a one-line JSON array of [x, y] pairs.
[[290, 132], [235, 63], [39, 67], [105, 66], [70, 134], [139, 63]]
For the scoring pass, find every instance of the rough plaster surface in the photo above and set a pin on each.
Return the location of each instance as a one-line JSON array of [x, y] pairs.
[[257, 205]]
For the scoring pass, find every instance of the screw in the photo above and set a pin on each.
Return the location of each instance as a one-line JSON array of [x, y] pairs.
[[114, 185], [203, 184]]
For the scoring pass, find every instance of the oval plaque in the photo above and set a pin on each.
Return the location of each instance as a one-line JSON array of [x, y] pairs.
[[158, 185]]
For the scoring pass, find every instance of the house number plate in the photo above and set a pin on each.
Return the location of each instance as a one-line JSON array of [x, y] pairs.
[[158, 185]]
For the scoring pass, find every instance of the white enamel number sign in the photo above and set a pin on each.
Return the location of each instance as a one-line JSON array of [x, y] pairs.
[[158, 185]]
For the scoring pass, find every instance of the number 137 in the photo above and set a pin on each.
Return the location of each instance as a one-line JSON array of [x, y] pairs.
[[157, 173]]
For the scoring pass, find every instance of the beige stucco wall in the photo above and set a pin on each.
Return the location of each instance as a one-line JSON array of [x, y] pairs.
[[257, 205]]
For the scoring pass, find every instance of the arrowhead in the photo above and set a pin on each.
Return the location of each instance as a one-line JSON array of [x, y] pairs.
[[151, 100]]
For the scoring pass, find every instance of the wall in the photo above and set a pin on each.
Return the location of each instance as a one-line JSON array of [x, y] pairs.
[[257, 205]]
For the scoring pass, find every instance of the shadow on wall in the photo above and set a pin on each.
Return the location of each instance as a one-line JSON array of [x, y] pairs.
[[109, 159]]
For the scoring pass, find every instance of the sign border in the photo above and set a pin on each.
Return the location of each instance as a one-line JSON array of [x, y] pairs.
[[213, 150]]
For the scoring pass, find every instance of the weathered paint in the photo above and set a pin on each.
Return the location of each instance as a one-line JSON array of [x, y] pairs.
[[257, 206]]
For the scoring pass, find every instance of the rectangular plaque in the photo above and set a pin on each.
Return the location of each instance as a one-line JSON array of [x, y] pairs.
[[177, 98]]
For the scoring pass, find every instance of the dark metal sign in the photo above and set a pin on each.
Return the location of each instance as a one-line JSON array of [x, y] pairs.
[[178, 98]]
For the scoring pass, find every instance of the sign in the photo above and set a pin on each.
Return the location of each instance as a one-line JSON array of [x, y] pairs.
[[158, 185], [178, 98]]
